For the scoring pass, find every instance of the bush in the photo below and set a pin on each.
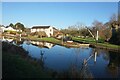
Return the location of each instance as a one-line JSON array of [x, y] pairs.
[[13, 32], [10, 32], [101, 40], [67, 38], [115, 39]]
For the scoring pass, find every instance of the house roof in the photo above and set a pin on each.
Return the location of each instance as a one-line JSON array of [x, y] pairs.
[[8, 26], [36, 27]]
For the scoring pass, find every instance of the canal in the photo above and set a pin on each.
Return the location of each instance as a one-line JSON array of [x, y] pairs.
[[104, 64]]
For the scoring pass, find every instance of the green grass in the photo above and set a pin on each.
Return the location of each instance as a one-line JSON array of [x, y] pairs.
[[100, 42], [50, 40], [109, 45], [14, 66], [47, 39]]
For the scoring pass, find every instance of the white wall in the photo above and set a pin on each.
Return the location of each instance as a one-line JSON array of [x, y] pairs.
[[9, 28], [48, 31], [2, 29]]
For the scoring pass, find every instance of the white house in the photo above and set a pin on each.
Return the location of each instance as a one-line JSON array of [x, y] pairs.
[[2, 29], [9, 28], [47, 29]]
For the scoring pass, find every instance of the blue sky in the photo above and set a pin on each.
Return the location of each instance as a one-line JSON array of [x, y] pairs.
[[58, 14]]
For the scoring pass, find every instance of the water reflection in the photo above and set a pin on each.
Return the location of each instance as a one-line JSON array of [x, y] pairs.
[[114, 64], [42, 44], [42, 58], [101, 63], [72, 59], [15, 41]]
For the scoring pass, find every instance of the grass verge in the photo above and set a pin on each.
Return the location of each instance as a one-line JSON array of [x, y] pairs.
[[17, 64], [100, 43]]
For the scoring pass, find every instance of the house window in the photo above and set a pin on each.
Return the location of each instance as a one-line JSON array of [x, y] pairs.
[[50, 30]]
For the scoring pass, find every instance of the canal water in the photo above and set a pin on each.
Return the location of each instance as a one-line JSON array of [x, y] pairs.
[[104, 64]]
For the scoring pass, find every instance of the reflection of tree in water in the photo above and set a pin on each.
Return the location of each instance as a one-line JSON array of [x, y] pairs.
[[73, 72], [114, 63], [28, 43], [75, 68], [106, 55], [112, 57], [84, 70], [41, 60], [77, 53]]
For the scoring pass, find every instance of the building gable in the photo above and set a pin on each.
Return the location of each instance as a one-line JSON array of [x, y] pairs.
[[47, 29]]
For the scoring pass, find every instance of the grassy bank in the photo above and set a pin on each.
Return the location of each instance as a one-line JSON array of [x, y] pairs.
[[50, 39], [100, 44], [17, 64], [16, 67], [91, 41]]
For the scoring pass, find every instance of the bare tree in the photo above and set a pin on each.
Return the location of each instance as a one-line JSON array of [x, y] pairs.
[[97, 26], [72, 28], [113, 17], [79, 26]]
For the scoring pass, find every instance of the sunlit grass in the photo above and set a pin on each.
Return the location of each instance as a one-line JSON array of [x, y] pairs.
[[47, 39], [100, 42], [84, 40]]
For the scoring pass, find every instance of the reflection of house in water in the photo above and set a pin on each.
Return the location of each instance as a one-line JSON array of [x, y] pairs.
[[42, 44], [49, 45], [17, 41]]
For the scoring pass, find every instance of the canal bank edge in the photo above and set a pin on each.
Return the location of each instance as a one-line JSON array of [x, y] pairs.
[[109, 47]]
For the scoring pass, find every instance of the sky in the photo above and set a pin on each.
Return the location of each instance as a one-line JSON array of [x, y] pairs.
[[60, 0], [57, 14]]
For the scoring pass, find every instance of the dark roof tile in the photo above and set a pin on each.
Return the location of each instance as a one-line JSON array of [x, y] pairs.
[[35, 27]]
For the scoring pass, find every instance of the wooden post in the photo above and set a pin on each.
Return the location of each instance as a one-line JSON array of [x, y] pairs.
[[97, 37], [20, 35], [20, 38]]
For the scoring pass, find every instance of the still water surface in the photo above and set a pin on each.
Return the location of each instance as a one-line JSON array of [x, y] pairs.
[[60, 58]]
